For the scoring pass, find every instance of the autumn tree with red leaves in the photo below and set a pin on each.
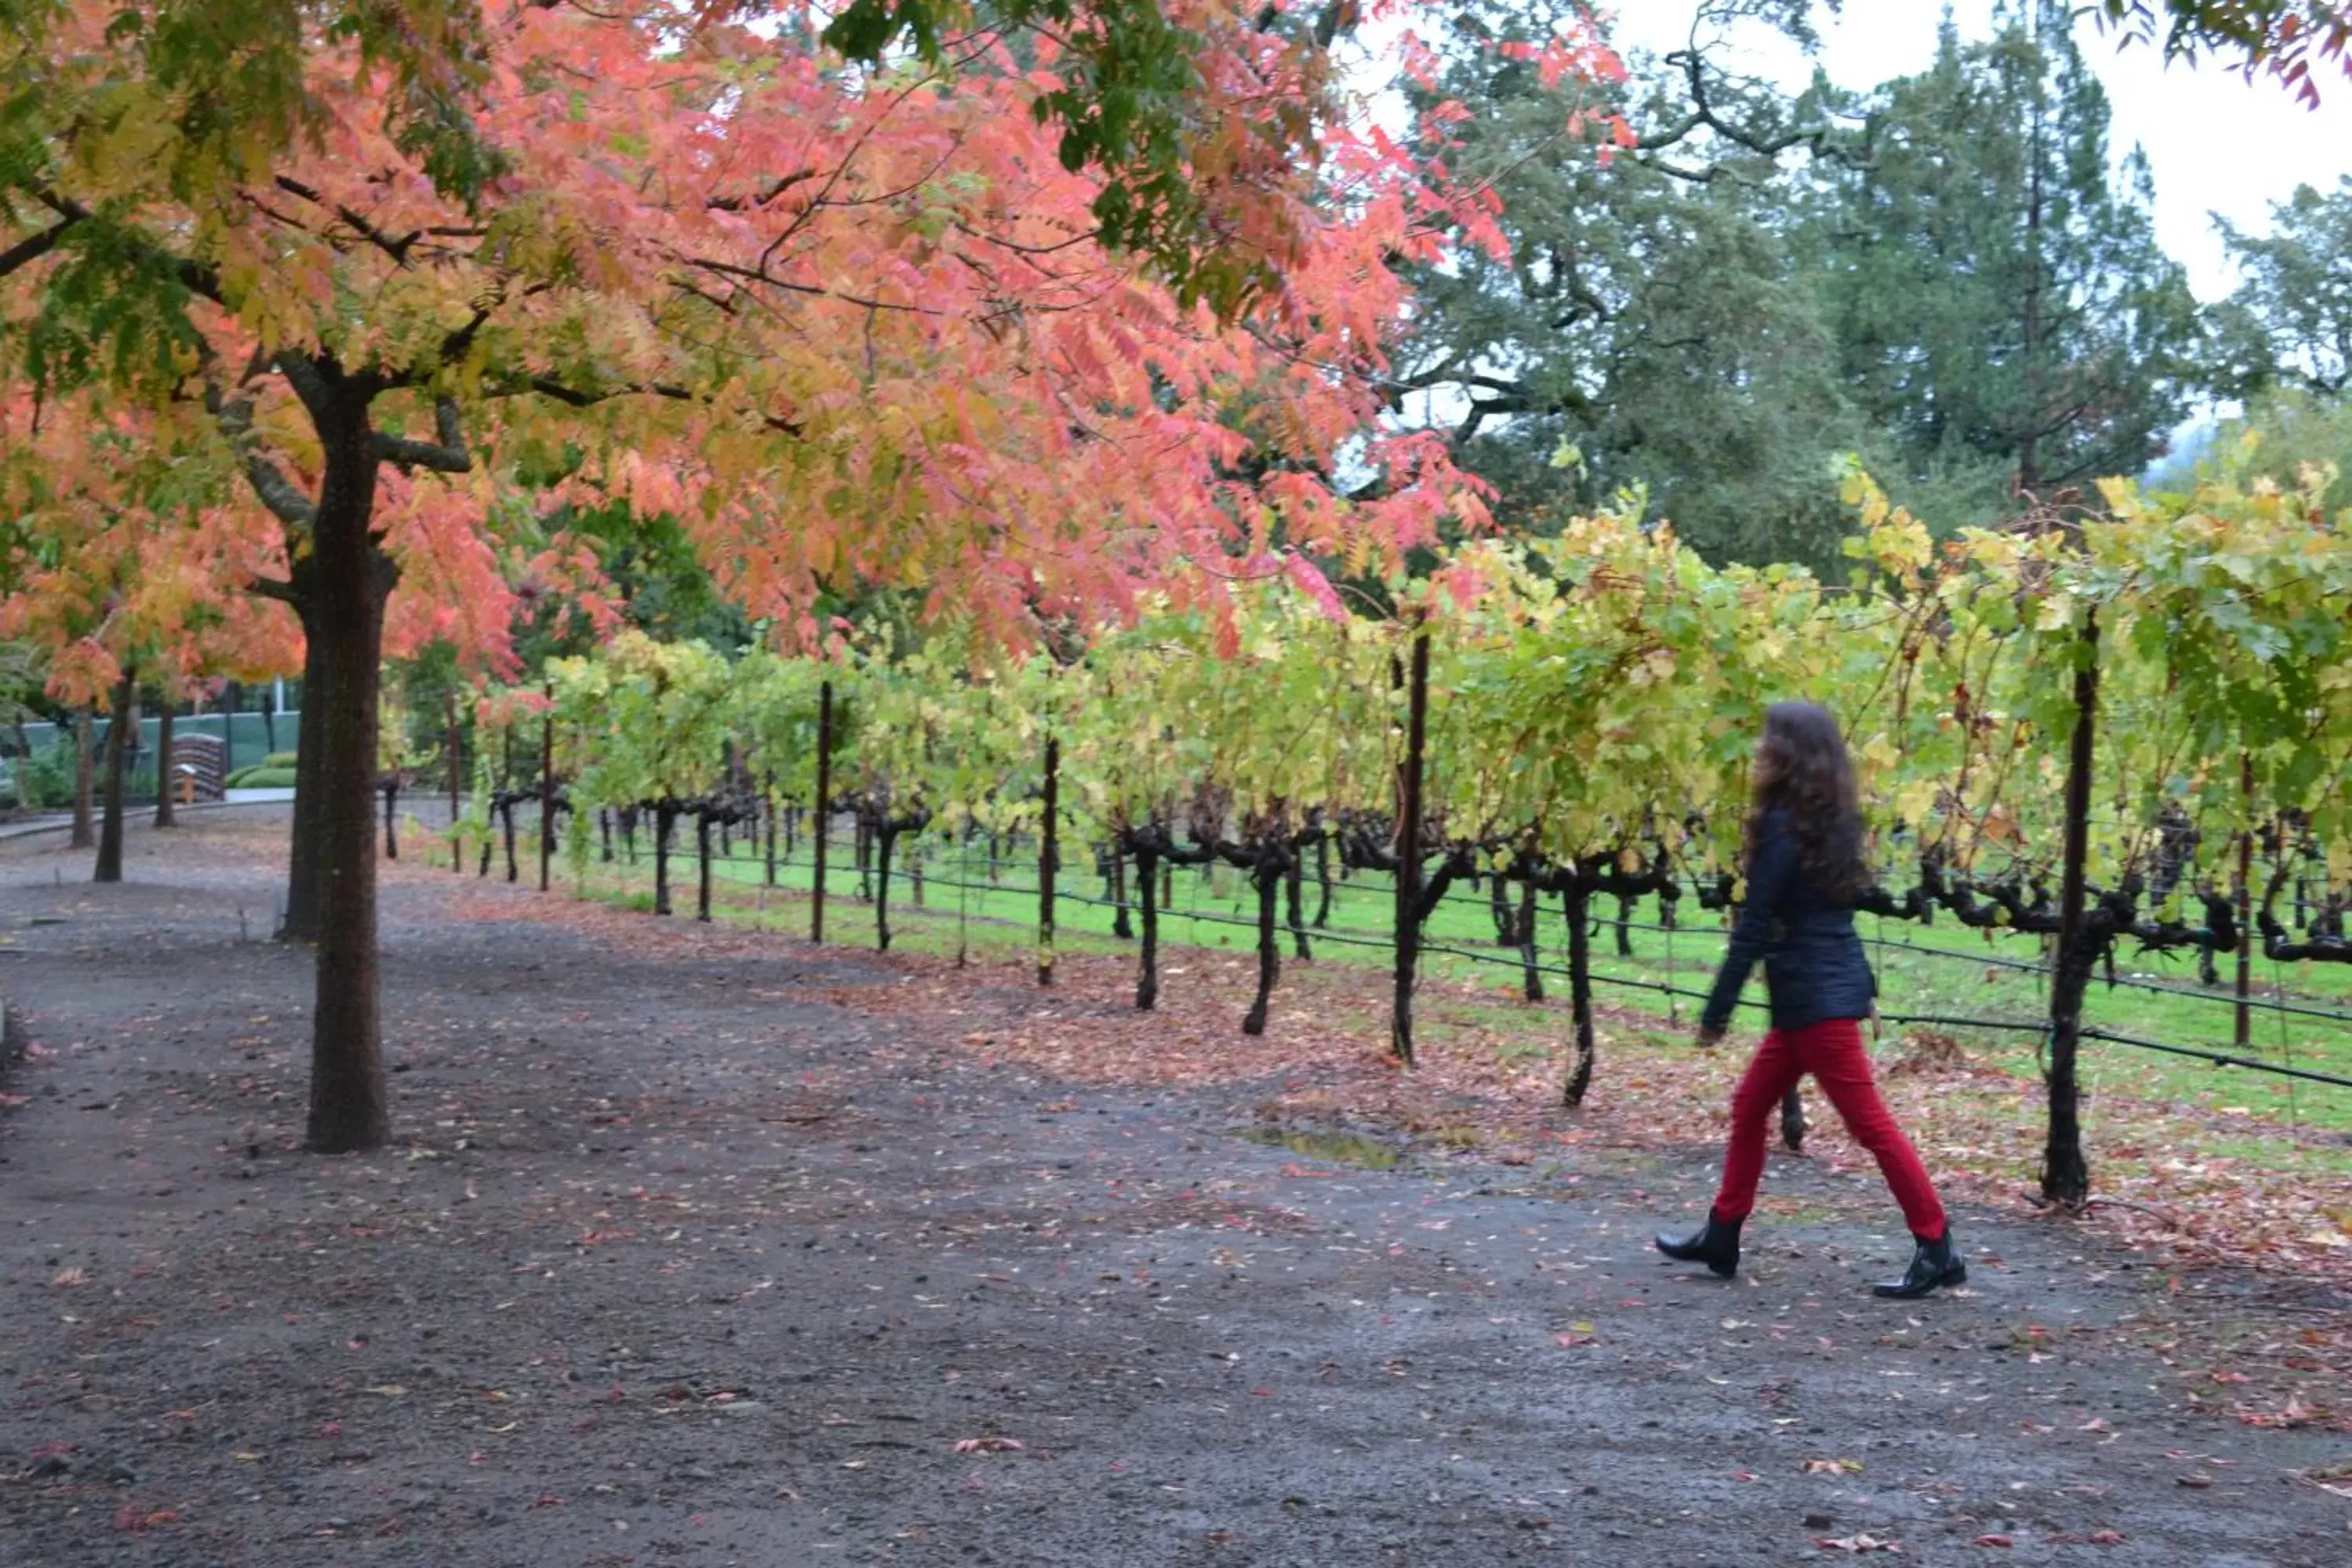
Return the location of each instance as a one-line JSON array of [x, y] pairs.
[[848, 324]]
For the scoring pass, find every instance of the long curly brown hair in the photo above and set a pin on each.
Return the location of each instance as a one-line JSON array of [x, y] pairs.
[[1802, 768]]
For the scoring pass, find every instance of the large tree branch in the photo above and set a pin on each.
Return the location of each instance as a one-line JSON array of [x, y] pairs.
[[32, 246], [193, 276], [446, 454], [1818, 139], [577, 397], [761, 197], [395, 248], [310, 381], [281, 495]]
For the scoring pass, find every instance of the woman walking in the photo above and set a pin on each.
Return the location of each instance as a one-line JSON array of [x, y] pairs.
[[1804, 873]]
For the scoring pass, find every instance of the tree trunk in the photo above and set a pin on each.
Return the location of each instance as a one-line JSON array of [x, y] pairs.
[[821, 809], [1625, 925], [456, 772], [605, 830], [390, 828], [665, 814], [702, 865], [304, 855], [1499, 909], [118, 728], [1269, 876], [349, 1109], [507, 831], [2065, 1175], [1576, 905], [85, 833], [1048, 858], [1531, 979], [163, 779], [490, 850], [1146, 983], [861, 854], [880, 837], [547, 793]]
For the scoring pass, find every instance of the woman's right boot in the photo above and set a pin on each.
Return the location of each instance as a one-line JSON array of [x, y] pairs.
[[1715, 1244]]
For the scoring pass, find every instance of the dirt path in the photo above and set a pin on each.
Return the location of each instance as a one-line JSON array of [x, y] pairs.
[[700, 1259]]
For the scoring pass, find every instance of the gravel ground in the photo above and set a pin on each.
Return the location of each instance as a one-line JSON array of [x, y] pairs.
[[696, 1254]]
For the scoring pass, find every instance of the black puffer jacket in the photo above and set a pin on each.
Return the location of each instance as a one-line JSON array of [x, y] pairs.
[[1814, 964]]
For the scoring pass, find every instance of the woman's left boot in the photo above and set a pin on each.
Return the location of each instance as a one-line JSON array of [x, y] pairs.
[[1715, 1244], [1934, 1265]]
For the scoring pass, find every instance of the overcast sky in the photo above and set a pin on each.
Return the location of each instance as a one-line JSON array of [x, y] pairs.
[[2216, 142]]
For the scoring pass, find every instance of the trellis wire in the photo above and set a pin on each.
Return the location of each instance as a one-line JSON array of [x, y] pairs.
[[1355, 937]]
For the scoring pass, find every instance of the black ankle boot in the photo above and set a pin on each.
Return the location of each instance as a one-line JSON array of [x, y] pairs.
[[1934, 1264], [1715, 1244]]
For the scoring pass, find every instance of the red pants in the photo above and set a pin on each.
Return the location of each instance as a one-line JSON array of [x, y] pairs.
[[1831, 1051]]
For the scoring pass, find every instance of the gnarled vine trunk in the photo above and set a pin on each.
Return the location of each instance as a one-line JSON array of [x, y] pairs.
[[665, 814], [1268, 875], [1576, 906], [1147, 882], [1530, 977]]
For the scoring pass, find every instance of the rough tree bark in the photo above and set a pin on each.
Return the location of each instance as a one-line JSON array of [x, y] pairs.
[[349, 1107]]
